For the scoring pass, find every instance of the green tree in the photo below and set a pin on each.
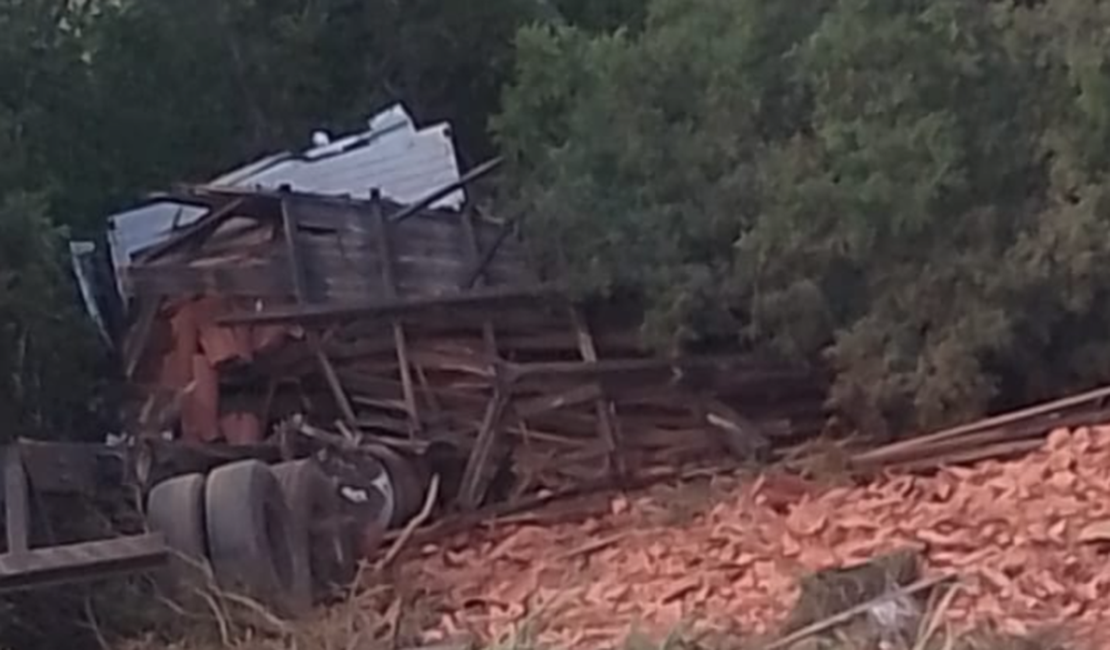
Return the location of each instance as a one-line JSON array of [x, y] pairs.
[[601, 16], [48, 367], [909, 192], [49, 382]]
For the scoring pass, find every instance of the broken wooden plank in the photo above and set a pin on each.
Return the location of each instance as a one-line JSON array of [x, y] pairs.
[[199, 229], [252, 279], [293, 252], [479, 265], [478, 298], [1045, 409], [475, 477], [332, 378], [606, 411], [467, 178], [389, 280], [582, 394], [17, 518]]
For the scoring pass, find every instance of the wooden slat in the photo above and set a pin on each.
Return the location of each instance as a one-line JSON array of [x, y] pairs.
[[607, 422], [475, 478], [478, 298], [17, 520], [300, 290], [194, 232], [1039, 410], [436, 195], [293, 252], [400, 341]]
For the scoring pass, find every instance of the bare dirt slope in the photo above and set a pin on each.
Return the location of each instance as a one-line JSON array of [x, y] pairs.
[[1028, 538]]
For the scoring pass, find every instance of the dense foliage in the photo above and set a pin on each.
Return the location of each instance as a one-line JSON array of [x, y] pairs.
[[914, 192], [911, 191]]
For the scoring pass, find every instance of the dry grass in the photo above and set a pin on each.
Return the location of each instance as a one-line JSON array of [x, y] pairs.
[[880, 605], [382, 618], [197, 615]]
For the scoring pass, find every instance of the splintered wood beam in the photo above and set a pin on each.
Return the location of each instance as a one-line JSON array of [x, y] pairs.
[[426, 388], [332, 377], [435, 195], [400, 341], [480, 264], [493, 357], [476, 476], [292, 250], [574, 396], [300, 291], [479, 298], [194, 232], [607, 421]]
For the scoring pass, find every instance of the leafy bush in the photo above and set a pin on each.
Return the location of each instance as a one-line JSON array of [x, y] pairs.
[[50, 372], [911, 192]]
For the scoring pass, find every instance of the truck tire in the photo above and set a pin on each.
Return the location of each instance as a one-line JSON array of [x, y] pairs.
[[253, 540], [316, 509], [175, 508], [408, 488]]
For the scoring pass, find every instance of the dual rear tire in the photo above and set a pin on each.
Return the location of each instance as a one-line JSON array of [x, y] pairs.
[[270, 534]]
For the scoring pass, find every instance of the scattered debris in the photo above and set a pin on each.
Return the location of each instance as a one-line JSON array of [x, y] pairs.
[[402, 318], [1001, 436], [1009, 531]]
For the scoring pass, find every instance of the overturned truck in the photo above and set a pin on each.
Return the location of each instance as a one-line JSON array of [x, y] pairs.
[[302, 364]]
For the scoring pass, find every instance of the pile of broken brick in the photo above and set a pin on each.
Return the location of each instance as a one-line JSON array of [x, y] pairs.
[[1024, 540]]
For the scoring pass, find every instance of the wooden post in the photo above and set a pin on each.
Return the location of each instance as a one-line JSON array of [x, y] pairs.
[[302, 295], [17, 520], [332, 377], [607, 422], [292, 249], [400, 341], [475, 476]]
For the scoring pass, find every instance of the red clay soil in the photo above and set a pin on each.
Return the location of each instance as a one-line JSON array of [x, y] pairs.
[[1029, 539]]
